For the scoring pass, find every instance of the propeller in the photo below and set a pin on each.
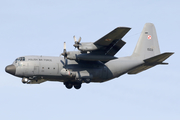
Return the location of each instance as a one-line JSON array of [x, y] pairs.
[[65, 53], [76, 45]]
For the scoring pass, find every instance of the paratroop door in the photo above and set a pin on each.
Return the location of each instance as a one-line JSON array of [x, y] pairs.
[[36, 70]]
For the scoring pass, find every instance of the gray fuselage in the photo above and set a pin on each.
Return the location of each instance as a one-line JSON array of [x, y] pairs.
[[50, 68]]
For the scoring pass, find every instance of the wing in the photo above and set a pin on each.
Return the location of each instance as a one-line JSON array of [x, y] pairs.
[[111, 43], [117, 33]]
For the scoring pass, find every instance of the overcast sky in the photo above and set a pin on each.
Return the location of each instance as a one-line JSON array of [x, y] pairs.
[[39, 27]]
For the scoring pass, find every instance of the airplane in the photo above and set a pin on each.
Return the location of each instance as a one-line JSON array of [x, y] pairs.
[[93, 62]]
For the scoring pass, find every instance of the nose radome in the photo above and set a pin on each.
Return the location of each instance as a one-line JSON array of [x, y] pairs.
[[10, 69]]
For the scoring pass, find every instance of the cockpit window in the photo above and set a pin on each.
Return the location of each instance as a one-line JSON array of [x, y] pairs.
[[20, 59]]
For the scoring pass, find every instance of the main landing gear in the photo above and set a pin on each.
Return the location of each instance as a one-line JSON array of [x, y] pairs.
[[77, 83], [69, 85]]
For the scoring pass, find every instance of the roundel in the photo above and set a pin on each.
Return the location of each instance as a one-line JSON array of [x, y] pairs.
[[149, 37], [108, 39]]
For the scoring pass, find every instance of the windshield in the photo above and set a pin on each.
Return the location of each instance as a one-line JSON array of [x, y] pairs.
[[20, 59]]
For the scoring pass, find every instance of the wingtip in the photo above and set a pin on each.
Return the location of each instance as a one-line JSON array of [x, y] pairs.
[[171, 53], [123, 27]]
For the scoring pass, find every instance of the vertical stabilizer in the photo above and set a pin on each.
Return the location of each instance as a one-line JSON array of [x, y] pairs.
[[147, 45]]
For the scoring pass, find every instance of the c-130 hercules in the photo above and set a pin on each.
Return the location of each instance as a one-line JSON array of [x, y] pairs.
[[94, 62]]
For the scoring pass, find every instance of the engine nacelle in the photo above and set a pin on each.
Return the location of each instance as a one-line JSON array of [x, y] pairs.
[[66, 72], [25, 80], [88, 47]]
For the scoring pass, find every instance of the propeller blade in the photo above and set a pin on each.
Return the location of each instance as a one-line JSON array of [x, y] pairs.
[[74, 39], [64, 47], [65, 53], [79, 40], [65, 60], [77, 43]]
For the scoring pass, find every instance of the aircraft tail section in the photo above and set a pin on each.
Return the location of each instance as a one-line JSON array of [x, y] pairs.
[[147, 45], [147, 49]]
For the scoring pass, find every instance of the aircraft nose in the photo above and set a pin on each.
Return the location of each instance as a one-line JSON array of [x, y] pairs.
[[10, 69]]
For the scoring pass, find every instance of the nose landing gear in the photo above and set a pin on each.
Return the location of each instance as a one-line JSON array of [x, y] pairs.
[[25, 80]]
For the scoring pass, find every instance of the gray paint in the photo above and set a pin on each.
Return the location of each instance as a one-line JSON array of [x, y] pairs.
[[147, 45], [39, 69]]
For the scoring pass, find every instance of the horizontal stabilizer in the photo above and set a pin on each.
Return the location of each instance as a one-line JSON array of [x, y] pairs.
[[158, 59], [151, 62]]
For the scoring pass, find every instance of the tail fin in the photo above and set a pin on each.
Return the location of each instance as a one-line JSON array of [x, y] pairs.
[[147, 45]]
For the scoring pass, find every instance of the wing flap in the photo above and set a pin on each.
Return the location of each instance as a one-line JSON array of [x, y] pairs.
[[151, 62], [115, 47]]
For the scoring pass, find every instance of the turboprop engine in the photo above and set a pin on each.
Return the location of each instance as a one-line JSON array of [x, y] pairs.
[[79, 76], [66, 72], [85, 47]]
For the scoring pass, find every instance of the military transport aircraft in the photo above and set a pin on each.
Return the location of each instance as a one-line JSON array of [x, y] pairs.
[[94, 62]]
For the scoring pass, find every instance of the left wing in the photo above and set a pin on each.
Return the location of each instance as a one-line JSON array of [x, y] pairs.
[[103, 49], [111, 43], [116, 34]]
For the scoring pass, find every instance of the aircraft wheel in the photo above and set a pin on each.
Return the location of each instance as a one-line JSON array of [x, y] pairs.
[[87, 80], [24, 80], [77, 85], [68, 85]]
